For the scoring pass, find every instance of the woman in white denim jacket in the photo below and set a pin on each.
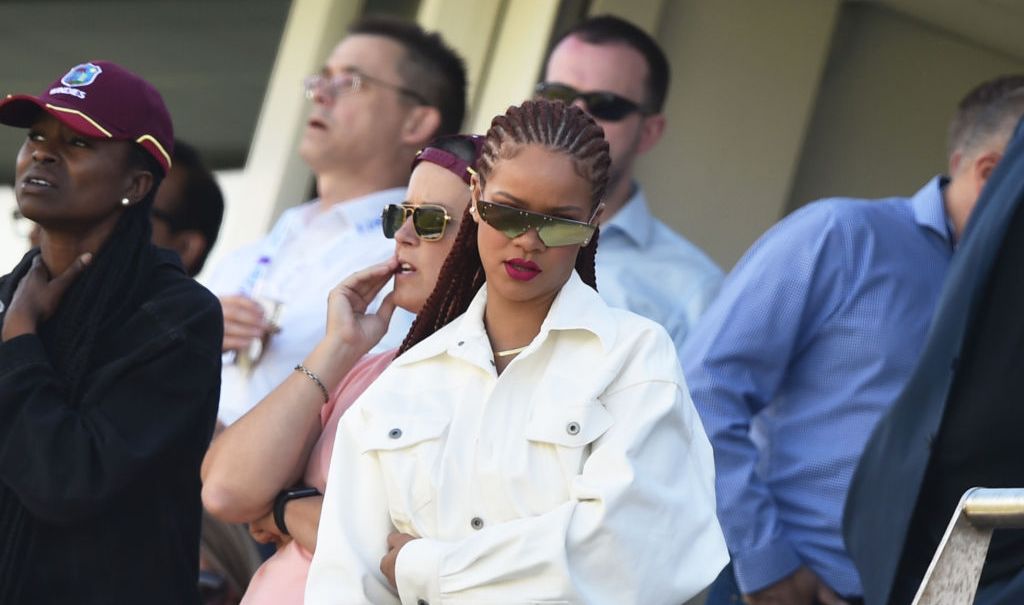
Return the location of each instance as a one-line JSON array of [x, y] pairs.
[[541, 447]]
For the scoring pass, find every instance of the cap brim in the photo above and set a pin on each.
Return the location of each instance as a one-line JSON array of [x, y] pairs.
[[21, 111]]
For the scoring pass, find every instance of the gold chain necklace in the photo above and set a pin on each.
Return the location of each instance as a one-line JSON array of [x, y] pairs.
[[510, 352]]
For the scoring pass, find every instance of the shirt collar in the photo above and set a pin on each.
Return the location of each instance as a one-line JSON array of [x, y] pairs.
[[363, 212], [634, 219], [929, 207], [576, 307]]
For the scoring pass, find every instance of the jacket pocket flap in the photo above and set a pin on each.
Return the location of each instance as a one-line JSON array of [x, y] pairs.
[[568, 425], [395, 431]]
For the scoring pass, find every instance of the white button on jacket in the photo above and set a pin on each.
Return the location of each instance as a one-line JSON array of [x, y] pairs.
[[581, 475]]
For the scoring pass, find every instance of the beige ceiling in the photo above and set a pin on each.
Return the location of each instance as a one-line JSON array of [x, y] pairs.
[[996, 24]]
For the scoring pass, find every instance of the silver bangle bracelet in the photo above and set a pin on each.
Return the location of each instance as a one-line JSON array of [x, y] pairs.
[[314, 378]]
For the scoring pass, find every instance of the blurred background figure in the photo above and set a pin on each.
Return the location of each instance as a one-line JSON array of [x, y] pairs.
[[384, 91], [619, 75], [188, 209]]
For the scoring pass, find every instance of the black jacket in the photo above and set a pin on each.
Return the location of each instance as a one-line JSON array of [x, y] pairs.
[[111, 482]]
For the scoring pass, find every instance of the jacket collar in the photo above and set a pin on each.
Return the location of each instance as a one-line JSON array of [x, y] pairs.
[[929, 207], [576, 307], [634, 220]]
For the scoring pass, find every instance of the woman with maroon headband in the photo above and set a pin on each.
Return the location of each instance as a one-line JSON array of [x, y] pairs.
[[269, 468]]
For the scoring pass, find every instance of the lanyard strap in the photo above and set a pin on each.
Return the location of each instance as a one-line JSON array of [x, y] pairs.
[[272, 245]]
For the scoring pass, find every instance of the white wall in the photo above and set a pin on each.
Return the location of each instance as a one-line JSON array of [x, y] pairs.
[[744, 79], [891, 85]]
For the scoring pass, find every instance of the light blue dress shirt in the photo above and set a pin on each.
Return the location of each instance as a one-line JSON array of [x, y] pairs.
[[811, 339], [645, 267]]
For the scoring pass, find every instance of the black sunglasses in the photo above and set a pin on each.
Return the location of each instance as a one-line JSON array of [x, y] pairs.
[[606, 106], [428, 220]]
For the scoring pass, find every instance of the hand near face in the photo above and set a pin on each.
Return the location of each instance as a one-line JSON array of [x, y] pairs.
[[265, 531], [243, 322], [387, 565], [801, 588], [347, 319], [37, 297]]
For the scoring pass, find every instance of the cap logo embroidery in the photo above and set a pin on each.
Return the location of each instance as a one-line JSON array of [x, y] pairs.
[[83, 74]]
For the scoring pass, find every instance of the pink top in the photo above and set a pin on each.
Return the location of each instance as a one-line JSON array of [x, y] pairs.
[[282, 578]]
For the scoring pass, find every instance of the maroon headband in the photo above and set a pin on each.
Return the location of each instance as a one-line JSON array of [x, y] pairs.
[[448, 160]]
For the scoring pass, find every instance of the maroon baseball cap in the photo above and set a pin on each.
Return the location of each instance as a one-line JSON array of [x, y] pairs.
[[102, 100]]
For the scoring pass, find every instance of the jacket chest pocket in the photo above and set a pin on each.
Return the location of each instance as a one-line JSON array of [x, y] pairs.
[[568, 430], [408, 449]]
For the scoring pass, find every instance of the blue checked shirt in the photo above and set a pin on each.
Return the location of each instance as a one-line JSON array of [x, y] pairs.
[[810, 341]]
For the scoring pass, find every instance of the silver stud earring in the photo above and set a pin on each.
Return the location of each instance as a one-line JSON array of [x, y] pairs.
[[125, 201]]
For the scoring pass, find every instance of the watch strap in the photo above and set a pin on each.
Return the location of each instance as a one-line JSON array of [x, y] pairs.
[[283, 497]]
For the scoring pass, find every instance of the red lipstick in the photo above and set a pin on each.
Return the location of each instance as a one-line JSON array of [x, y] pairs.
[[521, 269]]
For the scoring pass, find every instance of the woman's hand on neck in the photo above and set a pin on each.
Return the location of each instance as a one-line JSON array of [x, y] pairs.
[[38, 295], [60, 248]]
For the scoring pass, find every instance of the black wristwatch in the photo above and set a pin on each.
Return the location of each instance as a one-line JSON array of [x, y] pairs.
[[283, 497]]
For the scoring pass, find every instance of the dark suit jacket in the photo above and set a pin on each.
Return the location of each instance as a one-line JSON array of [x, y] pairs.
[[882, 508]]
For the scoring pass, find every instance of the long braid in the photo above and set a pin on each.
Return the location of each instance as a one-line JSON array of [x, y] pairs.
[[586, 262], [553, 125], [450, 297]]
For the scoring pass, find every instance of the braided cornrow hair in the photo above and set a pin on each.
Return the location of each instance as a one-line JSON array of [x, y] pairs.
[[553, 125]]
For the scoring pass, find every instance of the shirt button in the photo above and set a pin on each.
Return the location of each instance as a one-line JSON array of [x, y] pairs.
[[395, 433], [422, 602], [462, 342], [477, 523], [573, 428]]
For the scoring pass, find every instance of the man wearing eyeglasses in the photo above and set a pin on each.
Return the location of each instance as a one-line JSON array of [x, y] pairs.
[[616, 72], [383, 93]]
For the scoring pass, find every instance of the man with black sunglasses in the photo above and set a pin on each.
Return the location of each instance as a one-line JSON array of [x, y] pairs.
[[382, 94], [616, 72]]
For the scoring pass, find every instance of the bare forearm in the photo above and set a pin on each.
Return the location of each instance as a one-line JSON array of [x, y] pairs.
[[303, 519], [267, 449]]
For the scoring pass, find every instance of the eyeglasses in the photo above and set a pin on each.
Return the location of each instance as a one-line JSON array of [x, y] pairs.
[[428, 220], [553, 231], [602, 105], [349, 82]]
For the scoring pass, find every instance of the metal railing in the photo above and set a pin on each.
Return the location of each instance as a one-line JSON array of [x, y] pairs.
[[952, 577]]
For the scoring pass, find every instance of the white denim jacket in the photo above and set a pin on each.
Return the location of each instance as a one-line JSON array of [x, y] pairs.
[[581, 475]]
